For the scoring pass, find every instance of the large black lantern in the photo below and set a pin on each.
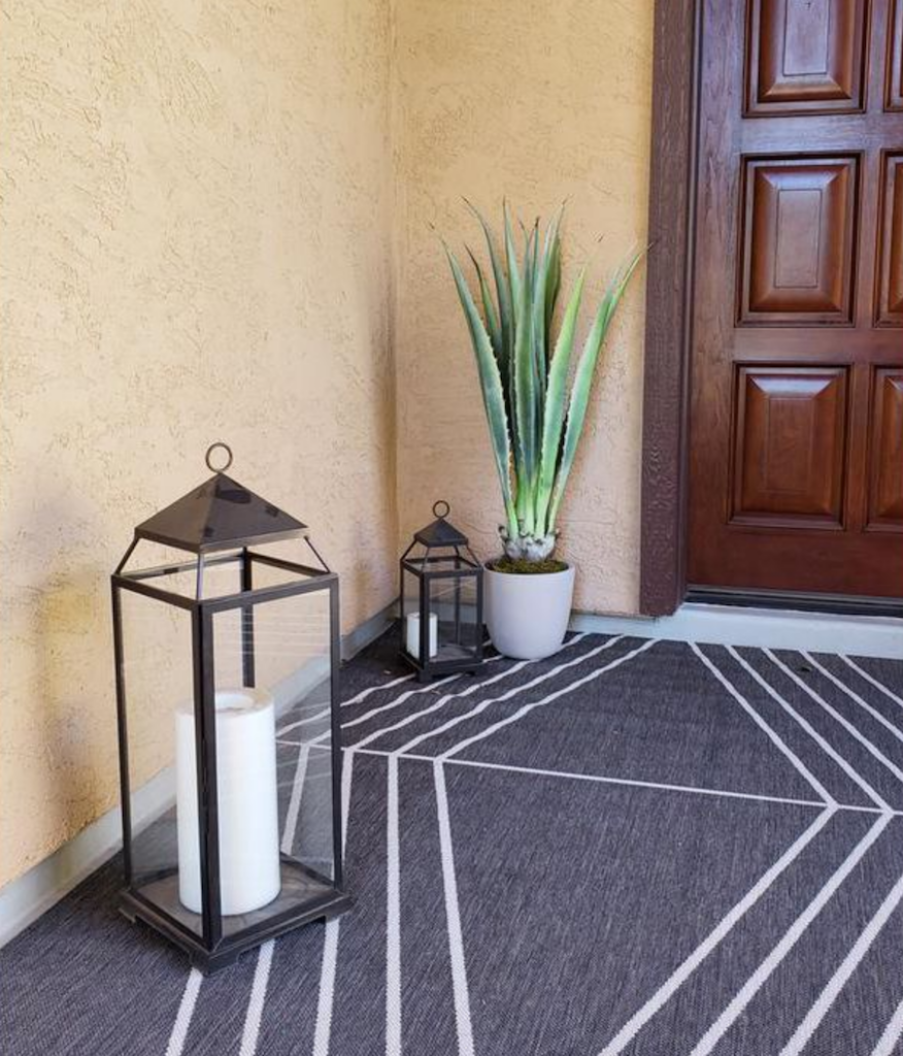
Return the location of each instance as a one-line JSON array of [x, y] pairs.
[[441, 601], [227, 656]]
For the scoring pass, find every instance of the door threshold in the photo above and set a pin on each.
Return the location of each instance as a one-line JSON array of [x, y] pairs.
[[797, 601], [764, 628]]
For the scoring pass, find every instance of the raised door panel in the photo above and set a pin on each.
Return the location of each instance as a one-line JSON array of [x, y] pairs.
[[806, 56], [894, 98], [799, 220], [886, 451], [789, 445], [890, 249]]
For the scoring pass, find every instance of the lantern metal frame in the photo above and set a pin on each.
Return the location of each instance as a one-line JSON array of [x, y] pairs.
[[439, 536], [211, 949]]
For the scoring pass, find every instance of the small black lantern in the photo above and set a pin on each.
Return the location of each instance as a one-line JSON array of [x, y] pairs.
[[441, 601], [226, 677]]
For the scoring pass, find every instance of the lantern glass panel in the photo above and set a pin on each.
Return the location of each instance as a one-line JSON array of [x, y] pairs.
[[453, 600], [411, 586], [298, 553], [158, 676], [176, 571], [272, 675]]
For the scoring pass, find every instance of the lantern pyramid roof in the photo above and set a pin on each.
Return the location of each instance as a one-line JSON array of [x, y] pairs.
[[221, 514], [441, 533]]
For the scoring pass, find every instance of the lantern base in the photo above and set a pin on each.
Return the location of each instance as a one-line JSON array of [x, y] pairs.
[[239, 934], [449, 660]]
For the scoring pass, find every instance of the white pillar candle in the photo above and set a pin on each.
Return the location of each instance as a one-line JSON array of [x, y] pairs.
[[412, 634], [247, 801]]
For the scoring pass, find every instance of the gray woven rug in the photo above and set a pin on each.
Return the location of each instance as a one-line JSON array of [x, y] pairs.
[[632, 847]]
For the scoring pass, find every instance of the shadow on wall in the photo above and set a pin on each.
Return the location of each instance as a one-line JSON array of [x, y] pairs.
[[73, 748]]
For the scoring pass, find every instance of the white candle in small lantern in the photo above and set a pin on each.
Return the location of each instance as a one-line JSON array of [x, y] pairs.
[[247, 801], [412, 634]]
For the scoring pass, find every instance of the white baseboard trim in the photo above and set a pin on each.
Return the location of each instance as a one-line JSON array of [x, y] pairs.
[[23, 900], [874, 636], [369, 631], [27, 897]]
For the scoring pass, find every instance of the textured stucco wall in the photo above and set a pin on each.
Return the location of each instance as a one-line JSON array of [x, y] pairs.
[[535, 101], [200, 206], [196, 207]]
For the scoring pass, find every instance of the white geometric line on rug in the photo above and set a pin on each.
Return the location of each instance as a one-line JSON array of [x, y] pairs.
[[303, 722], [294, 803], [564, 691], [400, 699], [184, 1014], [632, 1027], [393, 914], [847, 725], [774, 737], [394, 703], [254, 1013], [460, 989], [325, 999], [838, 980], [464, 693], [750, 988], [853, 774], [364, 693], [382, 753], [483, 705], [443, 700], [870, 678], [891, 1034], [853, 695], [689, 965], [653, 785]]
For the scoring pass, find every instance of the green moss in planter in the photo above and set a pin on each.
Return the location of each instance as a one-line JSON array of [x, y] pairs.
[[522, 567]]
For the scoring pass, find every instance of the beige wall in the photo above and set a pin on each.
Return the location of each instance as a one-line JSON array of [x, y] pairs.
[[535, 101], [196, 207], [200, 205]]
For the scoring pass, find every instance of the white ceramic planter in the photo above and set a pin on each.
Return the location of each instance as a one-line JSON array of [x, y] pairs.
[[528, 615]]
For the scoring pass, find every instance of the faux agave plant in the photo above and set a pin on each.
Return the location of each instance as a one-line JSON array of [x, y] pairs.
[[535, 403]]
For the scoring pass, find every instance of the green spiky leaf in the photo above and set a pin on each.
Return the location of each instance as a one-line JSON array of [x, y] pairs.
[[503, 295], [555, 403], [491, 385], [489, 313]]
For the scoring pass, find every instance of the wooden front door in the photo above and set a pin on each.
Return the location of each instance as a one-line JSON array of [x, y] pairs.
[[796, 412]]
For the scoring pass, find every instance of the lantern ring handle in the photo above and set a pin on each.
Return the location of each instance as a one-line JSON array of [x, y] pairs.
[[437, 506], [208, 456]]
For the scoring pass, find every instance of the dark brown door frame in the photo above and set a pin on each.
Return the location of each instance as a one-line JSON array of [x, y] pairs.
[[672, 195]]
